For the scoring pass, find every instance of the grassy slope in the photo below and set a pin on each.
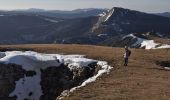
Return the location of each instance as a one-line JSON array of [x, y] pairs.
[[141, 80], [163, 41]]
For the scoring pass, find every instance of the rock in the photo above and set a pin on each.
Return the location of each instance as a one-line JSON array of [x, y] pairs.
[[55, 81], [8, 75]]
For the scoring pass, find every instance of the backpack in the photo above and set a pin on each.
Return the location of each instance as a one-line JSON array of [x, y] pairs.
[[129, 53]]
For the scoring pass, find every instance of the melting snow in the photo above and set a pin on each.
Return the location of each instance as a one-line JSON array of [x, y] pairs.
[[33, 61], [105, 69], [167, 68], [26, 86], [163, 47], [148, 44]]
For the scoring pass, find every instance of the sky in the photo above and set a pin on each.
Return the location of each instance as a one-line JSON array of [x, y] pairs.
[[153, 6]]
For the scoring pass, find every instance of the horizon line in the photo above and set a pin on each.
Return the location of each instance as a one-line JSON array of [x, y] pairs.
[[46, 9]]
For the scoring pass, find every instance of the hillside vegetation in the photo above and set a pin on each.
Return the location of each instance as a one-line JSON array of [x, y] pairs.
[[143, 79]]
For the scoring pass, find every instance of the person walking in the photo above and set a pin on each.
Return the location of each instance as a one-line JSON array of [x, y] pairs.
[[126, 55]]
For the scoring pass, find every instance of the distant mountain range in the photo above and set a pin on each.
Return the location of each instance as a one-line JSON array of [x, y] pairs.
[[78, 13], [165, 14], [82, 26]]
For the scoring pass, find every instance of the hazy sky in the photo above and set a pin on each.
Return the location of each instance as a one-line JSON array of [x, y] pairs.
[[142, 5]]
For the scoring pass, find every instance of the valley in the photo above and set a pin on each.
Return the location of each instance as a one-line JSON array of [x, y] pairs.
[[101, 27]]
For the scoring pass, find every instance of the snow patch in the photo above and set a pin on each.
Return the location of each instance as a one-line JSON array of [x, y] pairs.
[[109, 15], [29, 87], [102, 14], [105, 69], [147, 44], [130, 35], [52, 20], [100, 35], [163, 46], [167, 68]]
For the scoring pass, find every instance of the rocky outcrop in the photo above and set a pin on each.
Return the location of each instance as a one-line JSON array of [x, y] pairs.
[[164, 64], [54, 80], [36, 76], [57, 79], [9, 74]]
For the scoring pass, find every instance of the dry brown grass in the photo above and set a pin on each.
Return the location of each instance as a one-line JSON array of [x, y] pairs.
[[162, 41], [141, 80]]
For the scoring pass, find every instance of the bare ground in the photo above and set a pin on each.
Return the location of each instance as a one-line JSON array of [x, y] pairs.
[[141, 80]]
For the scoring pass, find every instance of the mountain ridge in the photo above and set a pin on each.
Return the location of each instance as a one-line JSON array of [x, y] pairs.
[[107, 28], [165, 14]]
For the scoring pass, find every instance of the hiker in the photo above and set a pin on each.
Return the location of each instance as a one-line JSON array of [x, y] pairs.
[[126, 55]]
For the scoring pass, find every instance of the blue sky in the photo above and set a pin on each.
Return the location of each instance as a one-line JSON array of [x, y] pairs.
[[141, 5]]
